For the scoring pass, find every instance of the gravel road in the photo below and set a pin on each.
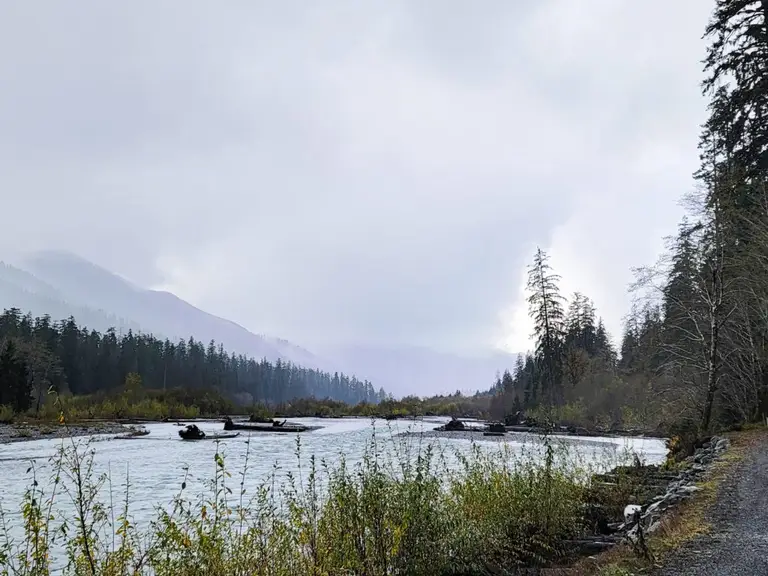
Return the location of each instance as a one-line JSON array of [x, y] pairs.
[[738, 542]]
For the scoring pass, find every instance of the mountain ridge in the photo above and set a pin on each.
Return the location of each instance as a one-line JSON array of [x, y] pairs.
[[77, 283], [63, 284]]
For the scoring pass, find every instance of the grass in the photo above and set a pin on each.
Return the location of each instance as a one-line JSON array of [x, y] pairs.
[[128, 404], [404, 514]]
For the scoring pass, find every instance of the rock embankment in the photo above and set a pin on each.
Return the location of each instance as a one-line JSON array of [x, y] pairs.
[[627, 503], [647, 518]]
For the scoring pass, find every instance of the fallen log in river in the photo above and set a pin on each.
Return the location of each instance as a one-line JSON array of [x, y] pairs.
[[276, 426]]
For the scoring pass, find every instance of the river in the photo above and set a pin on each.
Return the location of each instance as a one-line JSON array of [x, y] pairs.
[[156, 463]]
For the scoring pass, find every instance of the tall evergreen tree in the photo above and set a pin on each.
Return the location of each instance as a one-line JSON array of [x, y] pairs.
[[737, 66], [581, 325], [545, 305]]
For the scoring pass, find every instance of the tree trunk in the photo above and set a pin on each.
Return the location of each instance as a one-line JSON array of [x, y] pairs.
[[38, 401], [547, 339], [711, 370]]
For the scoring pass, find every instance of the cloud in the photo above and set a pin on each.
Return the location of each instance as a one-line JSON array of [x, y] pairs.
[[371, 172], [635, 71]]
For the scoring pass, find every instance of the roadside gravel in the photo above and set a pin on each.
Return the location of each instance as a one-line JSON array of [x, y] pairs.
[[738, 542]]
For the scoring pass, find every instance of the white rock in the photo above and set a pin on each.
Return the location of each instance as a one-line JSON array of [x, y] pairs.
[[629, 512]]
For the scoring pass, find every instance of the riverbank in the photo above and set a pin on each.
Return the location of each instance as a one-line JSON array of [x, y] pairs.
[[718, 528], [487, 431], [28, 431]]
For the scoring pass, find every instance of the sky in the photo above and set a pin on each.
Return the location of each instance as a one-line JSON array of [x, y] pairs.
[[376, 172]]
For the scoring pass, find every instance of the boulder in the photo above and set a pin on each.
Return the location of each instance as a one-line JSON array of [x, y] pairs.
[[655, 508], [496, 427], [687, 490], [722, 445], [655, 525], [514, 419], [454, 425], [192, 432]]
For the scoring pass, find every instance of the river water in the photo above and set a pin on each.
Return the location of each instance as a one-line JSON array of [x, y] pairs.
[[156, 463]]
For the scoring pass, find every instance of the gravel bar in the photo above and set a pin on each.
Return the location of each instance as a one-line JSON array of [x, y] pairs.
[[521, 437], [10, 433]]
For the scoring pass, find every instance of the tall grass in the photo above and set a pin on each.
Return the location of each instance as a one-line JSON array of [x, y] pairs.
[[404, 514]]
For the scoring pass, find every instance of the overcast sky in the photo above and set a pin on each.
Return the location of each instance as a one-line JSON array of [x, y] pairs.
[[358, 171]]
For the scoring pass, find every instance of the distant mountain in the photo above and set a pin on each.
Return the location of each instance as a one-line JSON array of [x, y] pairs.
[[20, 289], [62, 284], [420, 371]]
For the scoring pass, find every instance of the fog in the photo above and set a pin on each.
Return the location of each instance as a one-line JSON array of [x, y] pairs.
[[344, 174]]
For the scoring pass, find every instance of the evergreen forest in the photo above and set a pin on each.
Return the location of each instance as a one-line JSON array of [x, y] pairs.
[[37, 354]]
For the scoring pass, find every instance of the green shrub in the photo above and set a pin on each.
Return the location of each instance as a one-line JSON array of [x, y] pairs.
[[6, 414]]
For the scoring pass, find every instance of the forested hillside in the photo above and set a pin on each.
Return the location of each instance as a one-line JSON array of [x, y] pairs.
[[61, 285], [39, 353], [694, 353]]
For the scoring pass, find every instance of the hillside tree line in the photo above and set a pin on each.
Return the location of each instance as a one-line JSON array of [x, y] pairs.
[[38, 353]]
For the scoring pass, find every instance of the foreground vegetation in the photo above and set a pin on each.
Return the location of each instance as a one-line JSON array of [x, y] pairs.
[[405, 515], [693, 358]]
